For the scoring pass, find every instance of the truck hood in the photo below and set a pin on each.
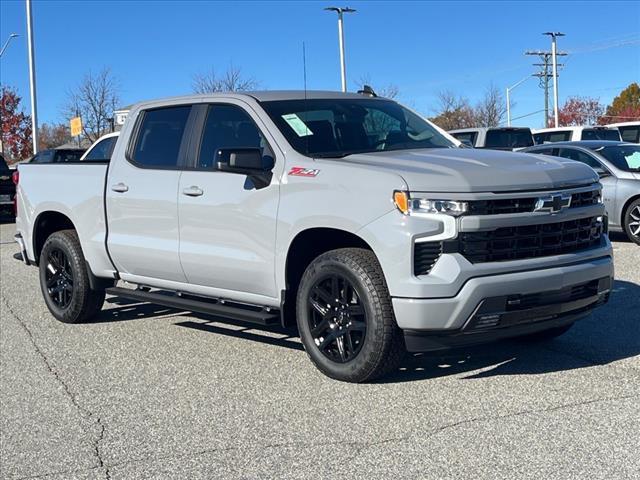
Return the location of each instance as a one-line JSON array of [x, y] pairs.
[[474, 170]]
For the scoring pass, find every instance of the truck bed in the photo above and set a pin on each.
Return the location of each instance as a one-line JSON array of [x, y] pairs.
[[72, 189]]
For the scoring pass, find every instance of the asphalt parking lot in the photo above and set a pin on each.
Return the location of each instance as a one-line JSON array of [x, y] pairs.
[[149, 392]]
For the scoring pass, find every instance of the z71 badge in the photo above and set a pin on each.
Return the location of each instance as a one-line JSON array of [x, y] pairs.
[[303, 172]]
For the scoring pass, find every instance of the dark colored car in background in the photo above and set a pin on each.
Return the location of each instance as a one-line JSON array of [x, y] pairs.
[[7, 190], [58, 155]]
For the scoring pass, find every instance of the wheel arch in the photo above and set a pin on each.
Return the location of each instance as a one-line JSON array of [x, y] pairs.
[[623, 211], [303, 248], [45, 224]]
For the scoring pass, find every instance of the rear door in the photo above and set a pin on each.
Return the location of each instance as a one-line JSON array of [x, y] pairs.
[[227, 223], [141, 196]]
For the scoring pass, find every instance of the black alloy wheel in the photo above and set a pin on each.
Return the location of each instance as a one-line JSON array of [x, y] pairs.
[[337, 318], [59, 278]]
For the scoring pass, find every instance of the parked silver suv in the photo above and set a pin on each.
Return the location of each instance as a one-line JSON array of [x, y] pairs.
[[618, 165]]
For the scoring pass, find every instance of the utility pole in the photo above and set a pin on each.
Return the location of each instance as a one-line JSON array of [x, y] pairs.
[[544, 75], [32, 79], [554, 62], [343, 68]]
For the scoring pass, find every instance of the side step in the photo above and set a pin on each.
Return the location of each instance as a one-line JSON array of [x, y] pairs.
[[196, 304]]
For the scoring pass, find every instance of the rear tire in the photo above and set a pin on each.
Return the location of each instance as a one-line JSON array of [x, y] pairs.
[[632, 221], [345, 317], [64, 279], [546, 335]]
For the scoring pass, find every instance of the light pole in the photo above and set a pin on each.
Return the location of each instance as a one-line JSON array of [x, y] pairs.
[[343, 68], [32, 79], [554, 55], [6, 44], [509, 98]]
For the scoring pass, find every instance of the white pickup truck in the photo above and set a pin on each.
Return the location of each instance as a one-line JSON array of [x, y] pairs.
[[349, 215]]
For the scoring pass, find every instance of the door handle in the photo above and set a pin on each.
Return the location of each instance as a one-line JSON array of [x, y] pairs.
[[119, 187], [193, 191]]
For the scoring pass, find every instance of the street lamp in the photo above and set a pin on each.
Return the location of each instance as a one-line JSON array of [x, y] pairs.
[[6, 44], [509, 99], [554, 55], [32, 78], [343, 68]]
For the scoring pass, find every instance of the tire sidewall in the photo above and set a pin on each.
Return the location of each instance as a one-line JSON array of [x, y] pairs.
[[71, 312], [373, 343], [627, 221]]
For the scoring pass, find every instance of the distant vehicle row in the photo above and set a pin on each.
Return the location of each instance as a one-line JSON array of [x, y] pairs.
[[515, 138]]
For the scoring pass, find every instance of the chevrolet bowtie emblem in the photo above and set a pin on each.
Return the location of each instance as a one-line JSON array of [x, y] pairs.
[[553, 203]]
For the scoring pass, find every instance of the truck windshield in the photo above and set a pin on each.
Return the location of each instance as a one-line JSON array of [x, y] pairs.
[[335, 128], [625, 157]]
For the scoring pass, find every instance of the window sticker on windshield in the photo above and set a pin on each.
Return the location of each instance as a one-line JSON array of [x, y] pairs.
[[633, 160], [297, 124]]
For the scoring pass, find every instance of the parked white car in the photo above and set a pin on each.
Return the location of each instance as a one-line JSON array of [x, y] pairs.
[[629, 131], [494, 138], [102, 149], [574, 134]]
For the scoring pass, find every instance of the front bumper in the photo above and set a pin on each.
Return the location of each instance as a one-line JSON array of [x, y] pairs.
[[488, 295]]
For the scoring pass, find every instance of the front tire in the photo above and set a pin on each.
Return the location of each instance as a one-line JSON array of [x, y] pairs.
[[64, 279], [345, 317], [632, 221]]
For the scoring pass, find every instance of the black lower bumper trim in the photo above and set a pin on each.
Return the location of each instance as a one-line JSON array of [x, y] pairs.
[[522, 323]]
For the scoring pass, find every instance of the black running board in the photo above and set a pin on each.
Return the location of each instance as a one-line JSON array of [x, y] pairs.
[[234, 311]]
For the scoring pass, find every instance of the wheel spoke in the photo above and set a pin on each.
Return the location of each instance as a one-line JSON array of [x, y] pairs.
[[335, 288], [637, 232], [321, 309], [322, 294], [326, 341], [341, 349], [348, 342], [321, 327], [355, 309]]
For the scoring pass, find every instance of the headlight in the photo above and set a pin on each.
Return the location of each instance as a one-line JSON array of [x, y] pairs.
[[408, 205]]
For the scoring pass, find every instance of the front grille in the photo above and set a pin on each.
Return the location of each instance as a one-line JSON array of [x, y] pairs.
[[524, 205], [528, 241], [425, 255]]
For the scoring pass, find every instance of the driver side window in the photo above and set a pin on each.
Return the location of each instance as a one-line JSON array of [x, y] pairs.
[[228, 126]]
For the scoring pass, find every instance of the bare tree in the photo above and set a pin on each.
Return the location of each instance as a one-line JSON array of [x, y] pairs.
[[231, 81], [491, 110], [453, 112], [387, 91], [94, 100]]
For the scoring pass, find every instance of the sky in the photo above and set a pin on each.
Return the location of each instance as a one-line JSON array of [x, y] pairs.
[[154, 48]]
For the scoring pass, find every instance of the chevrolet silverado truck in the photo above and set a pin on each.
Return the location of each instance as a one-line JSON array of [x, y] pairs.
[[348, 215]]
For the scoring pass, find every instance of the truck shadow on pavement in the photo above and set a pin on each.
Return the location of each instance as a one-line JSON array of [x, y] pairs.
[[610, 334]]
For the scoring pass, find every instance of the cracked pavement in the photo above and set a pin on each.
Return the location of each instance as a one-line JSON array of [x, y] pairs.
[[149, 392]]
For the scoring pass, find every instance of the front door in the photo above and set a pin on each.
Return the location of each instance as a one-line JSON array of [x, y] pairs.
[[227, 223]]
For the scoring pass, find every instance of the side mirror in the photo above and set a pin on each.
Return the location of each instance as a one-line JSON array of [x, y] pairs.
[[602, 172], [249, 161]]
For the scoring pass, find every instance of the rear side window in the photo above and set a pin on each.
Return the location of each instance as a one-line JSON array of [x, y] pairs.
[[551, 137], [160, 136], [228, 126], [509, 138], [468, 137], [630, 134], [579, 156], [601, 134], [102, 151]]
